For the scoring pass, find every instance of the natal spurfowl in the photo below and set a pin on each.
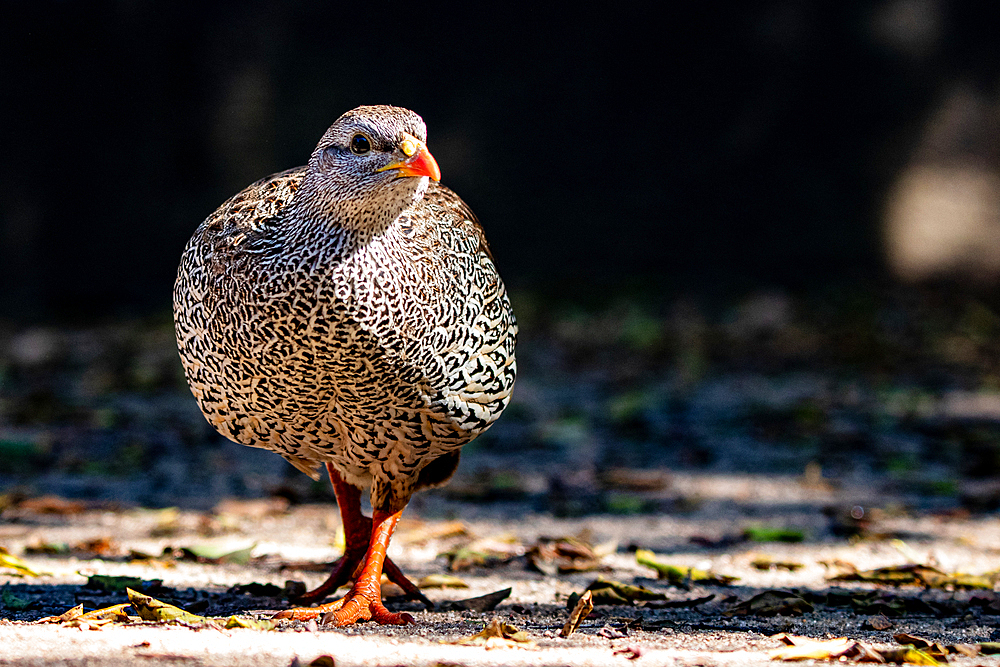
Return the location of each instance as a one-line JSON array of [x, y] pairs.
[[348, 313]]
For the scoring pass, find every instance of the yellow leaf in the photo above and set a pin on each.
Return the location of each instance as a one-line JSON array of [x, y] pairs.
[[114, 613], [805, 649], [67, 615], [249, 623], [12, 562], [498, 634], [441, 581], [680, 575], [151, 609], [583, 607]]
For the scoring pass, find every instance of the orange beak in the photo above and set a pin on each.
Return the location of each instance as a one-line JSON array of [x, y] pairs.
[[418, 162]]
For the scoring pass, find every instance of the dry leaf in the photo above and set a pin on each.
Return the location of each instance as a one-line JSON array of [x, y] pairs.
[[151, 609], [486, 602], [766, 563], [249, 623], [680, 576], [497, 634], [607, 591], [113, 613], [67, 615], [583, 607], [804, 648], [878, 622]]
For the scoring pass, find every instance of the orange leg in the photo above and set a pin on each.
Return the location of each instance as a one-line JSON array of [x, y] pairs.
[[356, 561]]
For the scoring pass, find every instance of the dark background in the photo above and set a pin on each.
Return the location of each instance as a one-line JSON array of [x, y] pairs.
[[751, 238], [751, 144]]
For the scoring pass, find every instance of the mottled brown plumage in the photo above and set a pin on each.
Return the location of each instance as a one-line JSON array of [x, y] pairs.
[[349, 313]]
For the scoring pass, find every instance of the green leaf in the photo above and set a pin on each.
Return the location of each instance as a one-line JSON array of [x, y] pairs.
[[218, 554], [13, 602], [680, 576], [770, 534]]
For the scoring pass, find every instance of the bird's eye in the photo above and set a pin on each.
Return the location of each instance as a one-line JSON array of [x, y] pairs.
[[360, 144]]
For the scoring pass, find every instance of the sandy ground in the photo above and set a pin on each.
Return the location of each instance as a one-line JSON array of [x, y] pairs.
[[706, 537]]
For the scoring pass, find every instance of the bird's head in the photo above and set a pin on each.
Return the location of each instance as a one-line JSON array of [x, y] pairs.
[[369, 167]]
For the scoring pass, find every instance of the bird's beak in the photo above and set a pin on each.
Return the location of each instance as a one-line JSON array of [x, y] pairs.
[[418, 162]]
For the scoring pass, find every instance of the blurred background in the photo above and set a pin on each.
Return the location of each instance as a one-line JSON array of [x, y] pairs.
[[743, 239]]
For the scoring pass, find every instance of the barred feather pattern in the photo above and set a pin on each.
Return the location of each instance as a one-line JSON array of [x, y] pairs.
[[378, 353]]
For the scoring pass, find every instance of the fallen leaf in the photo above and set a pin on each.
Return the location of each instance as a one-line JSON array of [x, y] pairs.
[[602, 589], [151, 609], [249, 623], [67, 615], [13, 602], [214, 553], [897, 575], [913, 656], [878, 622], [12, 562], [583, 607], [968, 650], [680, 576], [486, 602], [497, 634], [803, 648], [766, 563], [113, 613], [771, 534], [441, 581], [563, 555], [771, 603], [466, 557]]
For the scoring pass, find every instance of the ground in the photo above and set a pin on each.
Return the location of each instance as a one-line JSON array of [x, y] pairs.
[[829, 433], [286, 543]]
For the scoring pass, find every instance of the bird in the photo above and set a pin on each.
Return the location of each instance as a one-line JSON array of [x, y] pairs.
[[348, 314]]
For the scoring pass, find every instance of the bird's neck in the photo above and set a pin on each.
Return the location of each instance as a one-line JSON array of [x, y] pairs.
[[358, 220]]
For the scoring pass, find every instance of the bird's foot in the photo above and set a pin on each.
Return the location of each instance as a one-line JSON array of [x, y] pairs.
[[353, 607], [358, 606], [348, 567]]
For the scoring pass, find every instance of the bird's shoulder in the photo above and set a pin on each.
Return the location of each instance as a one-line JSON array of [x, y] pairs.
[[244, 226], [257, 206], [448, 209]]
